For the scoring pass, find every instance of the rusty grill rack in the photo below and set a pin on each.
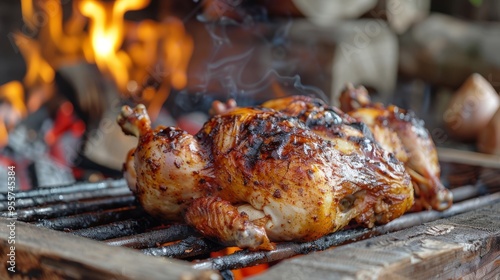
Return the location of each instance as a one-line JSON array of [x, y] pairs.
[[107, 211]]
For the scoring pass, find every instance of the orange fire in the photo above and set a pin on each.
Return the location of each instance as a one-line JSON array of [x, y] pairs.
[[176, 47], [28, 13], [106, 34], [162, 49], [131, 54], [13, 93], [62, 43], [38, 70]]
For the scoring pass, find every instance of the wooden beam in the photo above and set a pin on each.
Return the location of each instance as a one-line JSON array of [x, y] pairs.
[[464, 246], [46, 254]]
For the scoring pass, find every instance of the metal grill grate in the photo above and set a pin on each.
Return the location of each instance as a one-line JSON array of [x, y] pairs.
[[107, 211]]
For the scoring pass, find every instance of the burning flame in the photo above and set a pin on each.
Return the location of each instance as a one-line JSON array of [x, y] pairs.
[[38, 69], [176, 49], [4, 135], [58, 41], [145, 60], [28, 14], [164, 47], [13, 93], [106, 35]]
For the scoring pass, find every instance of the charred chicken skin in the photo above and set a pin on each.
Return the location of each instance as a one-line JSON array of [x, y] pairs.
[[256, 175], [394, 129], [401, 133]]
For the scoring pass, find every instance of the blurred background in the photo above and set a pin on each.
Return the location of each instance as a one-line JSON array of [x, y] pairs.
[[67, 67]]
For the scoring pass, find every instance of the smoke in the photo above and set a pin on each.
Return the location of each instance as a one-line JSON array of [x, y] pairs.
[[250, 58]]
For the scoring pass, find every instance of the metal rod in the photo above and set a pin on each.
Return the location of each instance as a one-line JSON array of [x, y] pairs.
[[153, 238], [246, 258], [468, 157], [64, 209], [79, 187], [91, 219], [67, 197], [189, 247], [116, 229], [466, 192]]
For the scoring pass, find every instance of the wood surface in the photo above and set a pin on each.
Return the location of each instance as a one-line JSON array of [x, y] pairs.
[[465, 246]]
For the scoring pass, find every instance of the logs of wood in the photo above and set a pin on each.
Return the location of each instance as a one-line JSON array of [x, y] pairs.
[[444, 51]]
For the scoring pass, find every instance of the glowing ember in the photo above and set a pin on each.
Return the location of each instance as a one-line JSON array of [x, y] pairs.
[[4, 135], [13, 92], [242, 273]]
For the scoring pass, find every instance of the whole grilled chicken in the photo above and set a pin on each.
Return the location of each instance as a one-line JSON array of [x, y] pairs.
[[401, 133], [394, 129], [256, 175]]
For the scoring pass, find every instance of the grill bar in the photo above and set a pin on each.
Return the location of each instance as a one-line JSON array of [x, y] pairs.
[[69, 197], [246, 258], [189, 247], [91, 219], [45, 212], [467, 192], [153, 238], [116, 229], [79, 187]]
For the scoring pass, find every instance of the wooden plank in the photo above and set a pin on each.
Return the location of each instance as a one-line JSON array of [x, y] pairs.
[[46, 254], [466, 245]]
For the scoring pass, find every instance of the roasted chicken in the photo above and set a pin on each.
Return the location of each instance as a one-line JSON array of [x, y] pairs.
[[394, 129], [256, 175], [401, 133]]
